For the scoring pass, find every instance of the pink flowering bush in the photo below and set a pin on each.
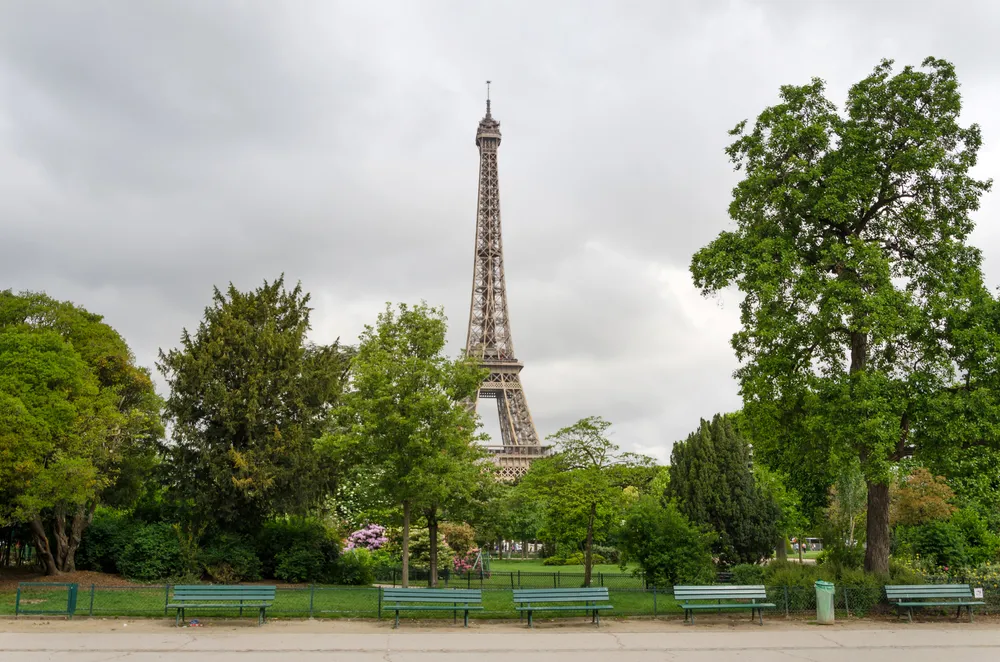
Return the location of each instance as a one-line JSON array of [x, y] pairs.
[[463, 562], [371, 538]]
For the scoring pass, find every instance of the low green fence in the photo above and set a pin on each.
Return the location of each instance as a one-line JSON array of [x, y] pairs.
[[365, 602]]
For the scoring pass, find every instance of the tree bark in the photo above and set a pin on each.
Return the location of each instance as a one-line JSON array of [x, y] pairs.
[[42, 546], [60, 537], [432, 531], [524, 549], [82, 518], [780, 551], [877, 553], [587, 557], [406, 545]]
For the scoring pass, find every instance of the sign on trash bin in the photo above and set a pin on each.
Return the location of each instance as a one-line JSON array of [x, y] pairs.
[[977, 593]]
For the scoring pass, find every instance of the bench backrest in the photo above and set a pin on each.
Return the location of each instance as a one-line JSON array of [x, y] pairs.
[[927, 591], [250, 592], [593, 594], [731, 592], [443, 595]]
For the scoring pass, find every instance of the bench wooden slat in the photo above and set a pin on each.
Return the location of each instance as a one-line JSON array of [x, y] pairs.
[[531, 600], [931, 595], [441, 599], [686, 594], [222, 596]]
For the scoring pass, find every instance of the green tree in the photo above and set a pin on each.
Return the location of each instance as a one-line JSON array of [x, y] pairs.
[[921, 497], [711, 479], [578, 486], [774, 486], [666, 545], [79, 421], [249, 395], [861, 294], [406, 417]]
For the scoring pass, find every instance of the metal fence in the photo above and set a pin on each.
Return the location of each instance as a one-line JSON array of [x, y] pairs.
[[366, 602], [488, 579]]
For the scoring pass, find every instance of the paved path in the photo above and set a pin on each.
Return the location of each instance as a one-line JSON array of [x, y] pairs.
[[918, 643]]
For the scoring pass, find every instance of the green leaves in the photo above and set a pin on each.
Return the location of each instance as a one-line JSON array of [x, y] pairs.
[[249, 395], [850, 250]]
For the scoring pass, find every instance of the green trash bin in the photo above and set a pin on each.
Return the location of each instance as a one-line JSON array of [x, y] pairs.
[[824, 602]]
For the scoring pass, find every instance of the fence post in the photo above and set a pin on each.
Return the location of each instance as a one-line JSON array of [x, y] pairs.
[[847, 606], [312, 596], [379, 590], [554, 583], [166, 598], [600, 576], [786, 601], [654, 599], [519, 578], [91, 610], [512, 581], [468, 580], [17, 602]]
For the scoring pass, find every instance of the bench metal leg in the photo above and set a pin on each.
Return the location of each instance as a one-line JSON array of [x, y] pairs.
[[909, 614], [466, 618], [396, 624], [530, 625]]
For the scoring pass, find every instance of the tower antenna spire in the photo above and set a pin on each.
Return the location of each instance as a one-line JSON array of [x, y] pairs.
[[488, 98]]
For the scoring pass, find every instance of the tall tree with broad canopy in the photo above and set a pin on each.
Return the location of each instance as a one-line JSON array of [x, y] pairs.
[[248, 397], [406, 416], [78, 421], [582, 491], [862, 298]]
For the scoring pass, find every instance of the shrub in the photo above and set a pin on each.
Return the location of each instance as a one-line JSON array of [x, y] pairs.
[[939, 544], [610, 554], [230, 559], [420, 549], [356, 567], [299, 548], [460, 536], [748, 573], [300, 564], [153, 553], [371, 537], [981, 544], [104, 540], [666, 545]]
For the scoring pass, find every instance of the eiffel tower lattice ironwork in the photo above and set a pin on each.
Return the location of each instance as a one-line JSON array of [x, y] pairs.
[[489, 340]]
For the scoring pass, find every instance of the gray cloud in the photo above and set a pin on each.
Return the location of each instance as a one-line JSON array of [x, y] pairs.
[[151, 150]]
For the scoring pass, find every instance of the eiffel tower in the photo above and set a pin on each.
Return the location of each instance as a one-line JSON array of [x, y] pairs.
[[489, 339]]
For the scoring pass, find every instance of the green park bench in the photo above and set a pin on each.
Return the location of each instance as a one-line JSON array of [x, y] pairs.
[[211, 596], [432, 599], [931, 595], [688, 595], [556, 599]]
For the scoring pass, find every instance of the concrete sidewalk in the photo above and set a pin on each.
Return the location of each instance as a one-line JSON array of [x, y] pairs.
[[915, 643]]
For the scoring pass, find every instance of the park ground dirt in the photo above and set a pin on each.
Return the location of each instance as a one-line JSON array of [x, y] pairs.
[[567, 625]]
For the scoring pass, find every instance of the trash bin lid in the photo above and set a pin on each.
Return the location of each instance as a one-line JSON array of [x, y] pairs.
[[820, 582]]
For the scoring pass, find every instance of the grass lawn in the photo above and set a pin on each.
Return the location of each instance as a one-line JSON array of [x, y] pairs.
[[321, 602]]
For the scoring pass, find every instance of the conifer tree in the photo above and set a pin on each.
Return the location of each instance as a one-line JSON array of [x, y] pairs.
[[711, 478]]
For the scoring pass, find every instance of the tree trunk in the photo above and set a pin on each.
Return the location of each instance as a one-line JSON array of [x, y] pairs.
[[60, 537], [81, 520], [432, 531], [406, 545], [42, 546], [524, 549], [781, 552], [588, 559], [877, 554]]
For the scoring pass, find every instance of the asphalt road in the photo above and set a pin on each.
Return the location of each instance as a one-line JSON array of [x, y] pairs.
[[914, 643]]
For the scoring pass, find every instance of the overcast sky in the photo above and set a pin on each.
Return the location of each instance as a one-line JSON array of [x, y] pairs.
[[150, 150]]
